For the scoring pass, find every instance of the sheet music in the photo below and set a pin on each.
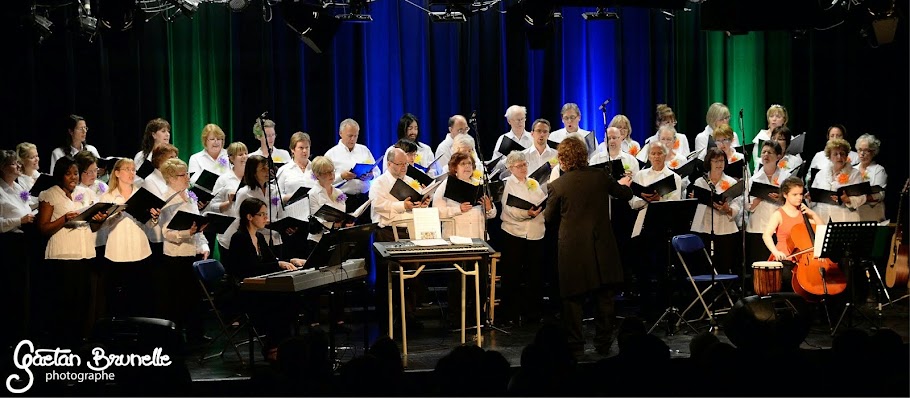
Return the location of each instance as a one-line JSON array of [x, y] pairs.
[[430, 242], [362, 207], [639, 222], [426, 223], [819, 240], [460, 240]]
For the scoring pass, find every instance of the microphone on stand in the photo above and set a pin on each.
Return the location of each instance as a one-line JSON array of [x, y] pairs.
[[603, 106], [263, 115], [740, 113], [473, 119]]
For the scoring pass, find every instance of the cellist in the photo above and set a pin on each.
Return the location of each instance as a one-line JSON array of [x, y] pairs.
[[784, 219]]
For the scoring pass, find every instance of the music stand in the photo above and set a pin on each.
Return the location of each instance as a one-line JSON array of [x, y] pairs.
[[842, 241], [664, 220]]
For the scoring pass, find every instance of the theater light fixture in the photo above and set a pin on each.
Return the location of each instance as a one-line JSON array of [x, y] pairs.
[[186, 7], [447, 16], [238, 5], [599, 15], [314, 25], [88, 24], [42, 26]]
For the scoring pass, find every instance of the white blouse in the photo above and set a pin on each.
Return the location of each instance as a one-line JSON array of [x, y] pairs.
[[629, 162], [760, 217], [98, 187], [226, 185], [122, 236], [471, 224], [14, 204], [517, 222], [180, 243], [647, 177], [681, 145], [278, 155], [277, 213], [723, 224], [874, 211], [58, 153], [319, 197], [28, 181], [203, 161], [827, 180], [68, 243], [157, 186], [291, 178]]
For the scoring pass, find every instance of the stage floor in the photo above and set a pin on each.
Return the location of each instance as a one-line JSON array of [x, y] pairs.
[[428, 344]]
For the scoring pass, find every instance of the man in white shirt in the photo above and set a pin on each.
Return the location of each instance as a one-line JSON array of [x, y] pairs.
[[571, 116], [345, 156], [516, 116], [408, 129], [539, 152], [385, 208], [457, 125]]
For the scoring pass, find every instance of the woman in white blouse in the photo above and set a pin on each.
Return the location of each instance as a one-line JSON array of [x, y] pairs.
[[74, 140], [324, 193], [124, 246], [522, 251], [782, 136], [717, 115], [88, 173], [725, 139], [264, 131], [777, 117], [760, 211], [666, 117], [213, 157], [15, 214], [70, 254], [28, 159], [470, 218], [628, 145], [255, 185], [717, 226], [225, 190], [297, 174], [157, 132], [838, 173], [178, 290], [867, 146]]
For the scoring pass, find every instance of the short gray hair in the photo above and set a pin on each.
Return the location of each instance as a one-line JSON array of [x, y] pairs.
[[348, 122], [658, 144], [666, 127], [570, 106], [515, 157], [510, 112], [874, 143], [462, 140]]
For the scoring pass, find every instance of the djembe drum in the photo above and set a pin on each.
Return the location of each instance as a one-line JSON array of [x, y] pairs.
[[767, 277]]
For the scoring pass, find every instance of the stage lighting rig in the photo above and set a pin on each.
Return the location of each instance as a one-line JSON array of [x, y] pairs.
[[599, 15], [447, 16], [42, 26], [186, 7]]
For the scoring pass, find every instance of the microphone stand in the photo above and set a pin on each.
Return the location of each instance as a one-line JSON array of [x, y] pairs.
[[742, 270], [603, 110], [271, 164], [714, 324], [486, 191]]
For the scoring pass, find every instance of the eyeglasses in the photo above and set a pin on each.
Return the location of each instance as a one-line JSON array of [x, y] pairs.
[[83, 128], [91, 171], [464, 130], [261, 214], [467, 163], [866, 150], [398, 164], [180, 175], [725, 140], [128, 170], [570, 118], [520, 165]]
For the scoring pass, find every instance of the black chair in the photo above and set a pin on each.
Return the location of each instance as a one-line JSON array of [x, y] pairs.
[[209, 273], [691, 247]]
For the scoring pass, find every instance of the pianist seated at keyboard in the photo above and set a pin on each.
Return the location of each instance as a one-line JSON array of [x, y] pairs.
[[250, 255]]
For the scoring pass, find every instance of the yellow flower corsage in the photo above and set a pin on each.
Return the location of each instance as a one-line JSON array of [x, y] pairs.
[[476, 174], [532, 184], [414, 184], [554, 161], [418, 158]]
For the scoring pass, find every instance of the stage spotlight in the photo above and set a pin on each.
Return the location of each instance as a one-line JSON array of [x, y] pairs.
[[358, 12], [42, 26], [313, 24], [88, 25], [780, 320], [599, 15], [115, 15], [186, 7], [536, 17], [238, 5], [882, 23]]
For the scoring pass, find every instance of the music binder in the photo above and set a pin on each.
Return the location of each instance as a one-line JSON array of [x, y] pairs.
[[298, 195], [496, 189], [288, 222], [108, 163], [542, 173], [802, 170], [205, 179], [463, 192], [145, 169], [507, 145], [332, 214], [520, 203], [360, 169], [111, 209], [745, 149], [401, 190], [859, 189], [419, 175], [617, 168], [591, 143], [552, 144], [689, 168], [202, 194], [141, 202], [42, 183], [735, 169], [796, 145], [217, 223], [820, 195], [706, 198], [491, 165], [763, 191], [662, 187]]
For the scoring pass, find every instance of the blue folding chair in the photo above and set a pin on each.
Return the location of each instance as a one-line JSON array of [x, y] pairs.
[[208, 273], [689, 245]]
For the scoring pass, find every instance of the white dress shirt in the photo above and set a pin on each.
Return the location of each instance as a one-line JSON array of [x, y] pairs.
[[470, 224], [226, 185], [385, 208], [723, 224], [424, 158], [444, 152], [517, 222], [180, 243], [827, 180], [290, 179], [58, 153], [278, 155], [821, 162], [759, 218], [13, 207], [561, 134], [203, 161], [647, 177], [28, 181], [155, 184], [344, 159], [537, 159], [629, 163], [525, 141], [763, 135], [681, 145], [68, 243], [318, 198], [122, 236], [874, 211]]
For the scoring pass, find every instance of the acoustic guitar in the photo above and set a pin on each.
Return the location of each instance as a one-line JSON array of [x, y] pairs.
[[898, 271]]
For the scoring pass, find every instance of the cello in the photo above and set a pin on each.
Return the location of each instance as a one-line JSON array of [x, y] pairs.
[[813, 278]]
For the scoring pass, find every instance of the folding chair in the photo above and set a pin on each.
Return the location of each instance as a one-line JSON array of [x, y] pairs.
[[208, 273], [690, 245]]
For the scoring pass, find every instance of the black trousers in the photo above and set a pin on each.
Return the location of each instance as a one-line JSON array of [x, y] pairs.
[[72, 304], [16, 286], [179, 294], [604, 318], [521, 270]]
